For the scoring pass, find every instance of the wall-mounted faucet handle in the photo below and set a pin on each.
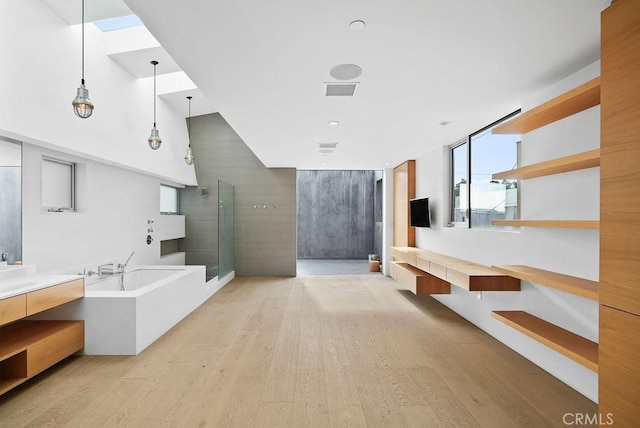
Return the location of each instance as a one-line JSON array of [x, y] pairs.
[[106, 269]]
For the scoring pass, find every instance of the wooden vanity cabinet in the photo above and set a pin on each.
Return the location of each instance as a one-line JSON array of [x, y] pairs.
[[29, 347]]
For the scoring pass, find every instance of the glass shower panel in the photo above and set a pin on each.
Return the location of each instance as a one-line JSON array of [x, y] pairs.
[[10, 202], [225, 229]]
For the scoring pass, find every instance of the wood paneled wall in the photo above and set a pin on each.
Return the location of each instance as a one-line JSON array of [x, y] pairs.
[[404, 188], [619, 381], [620, 157]]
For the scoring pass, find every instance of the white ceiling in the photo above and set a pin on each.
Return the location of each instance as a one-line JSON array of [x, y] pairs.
[[264, 64], [138, 62]]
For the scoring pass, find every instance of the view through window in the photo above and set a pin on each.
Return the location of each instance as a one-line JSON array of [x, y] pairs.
[[476, 198], [168, 200], [493, 199]]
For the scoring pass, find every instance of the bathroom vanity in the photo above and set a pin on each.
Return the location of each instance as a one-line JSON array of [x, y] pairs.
[[27, 347]]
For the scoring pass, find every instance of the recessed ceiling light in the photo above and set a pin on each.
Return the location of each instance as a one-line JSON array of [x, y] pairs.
[[326, 150], [387, 163], [445, 123], [323, 163], [333, 122], [356, 25], [345, 71]]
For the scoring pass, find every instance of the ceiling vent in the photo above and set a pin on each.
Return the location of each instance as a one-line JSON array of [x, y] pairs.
[[340, 89], [327, 145]]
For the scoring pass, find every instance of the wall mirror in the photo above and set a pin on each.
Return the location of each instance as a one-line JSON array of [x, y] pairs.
[[10, 202]]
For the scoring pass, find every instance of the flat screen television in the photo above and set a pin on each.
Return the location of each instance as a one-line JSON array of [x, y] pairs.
[[419, 212]]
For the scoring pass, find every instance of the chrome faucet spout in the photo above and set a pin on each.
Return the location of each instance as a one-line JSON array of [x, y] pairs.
[[122, 267]]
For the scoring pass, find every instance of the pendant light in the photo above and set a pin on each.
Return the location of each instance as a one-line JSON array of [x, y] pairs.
[[82, 105], [188, 158], [154, 138]]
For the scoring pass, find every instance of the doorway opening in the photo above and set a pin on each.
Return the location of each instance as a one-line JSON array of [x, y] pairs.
[[339, 221]]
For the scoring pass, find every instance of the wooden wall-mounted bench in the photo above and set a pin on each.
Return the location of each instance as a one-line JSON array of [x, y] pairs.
[[462, 273], [418, 281]]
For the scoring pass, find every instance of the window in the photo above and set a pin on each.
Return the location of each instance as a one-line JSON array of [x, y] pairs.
[[477, 199], [168, 200], [493, 199], [58, 185], [118, 23], [459, 182]]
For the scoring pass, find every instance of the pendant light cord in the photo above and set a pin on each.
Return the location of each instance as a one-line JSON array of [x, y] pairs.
[[189, 122], [82, 80], [154, 94]]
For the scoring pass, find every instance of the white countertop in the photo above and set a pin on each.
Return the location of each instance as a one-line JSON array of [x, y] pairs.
[[23, 284]]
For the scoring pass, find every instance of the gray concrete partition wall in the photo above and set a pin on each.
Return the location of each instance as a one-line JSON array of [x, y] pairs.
[[336, 214], [264, 236]]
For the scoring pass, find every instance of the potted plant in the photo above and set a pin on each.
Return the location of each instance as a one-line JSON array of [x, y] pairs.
[[374, 263]]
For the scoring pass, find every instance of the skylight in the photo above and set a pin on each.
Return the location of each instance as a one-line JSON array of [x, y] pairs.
[[118, 23]]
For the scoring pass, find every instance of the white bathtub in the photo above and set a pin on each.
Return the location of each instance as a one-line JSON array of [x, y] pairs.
[[154, 299], [134, 280]]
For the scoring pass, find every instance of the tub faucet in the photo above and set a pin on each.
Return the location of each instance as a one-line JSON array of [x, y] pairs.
[[121, 267]]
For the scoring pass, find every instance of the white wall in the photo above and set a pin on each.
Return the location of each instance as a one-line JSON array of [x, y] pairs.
[[114, 206], [573, 195], [40, 73]]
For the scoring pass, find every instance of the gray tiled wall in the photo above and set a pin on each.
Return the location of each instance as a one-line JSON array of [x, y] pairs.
[[264, 238]]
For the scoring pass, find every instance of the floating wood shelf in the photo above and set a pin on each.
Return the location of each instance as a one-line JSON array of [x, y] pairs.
[[406, 254], [569, 344], [575, 162], [567, 224], [570, 284], [418, 281], [465, 274], [574, 101], [451, 270]]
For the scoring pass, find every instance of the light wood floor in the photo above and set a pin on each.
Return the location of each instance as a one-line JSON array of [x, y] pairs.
[[320, 351]]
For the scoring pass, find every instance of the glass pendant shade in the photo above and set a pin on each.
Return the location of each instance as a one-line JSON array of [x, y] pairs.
[[188, 158], [154, 139], [82, 105]]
